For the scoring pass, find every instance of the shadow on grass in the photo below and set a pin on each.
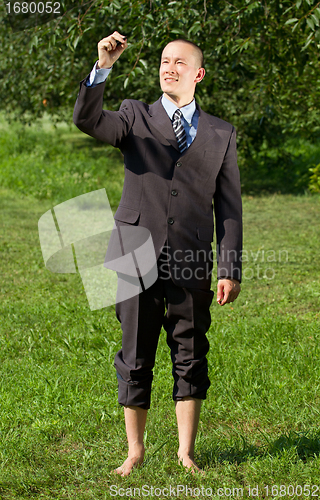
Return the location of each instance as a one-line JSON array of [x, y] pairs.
[[305, 445], [282, 170], [93, 146]]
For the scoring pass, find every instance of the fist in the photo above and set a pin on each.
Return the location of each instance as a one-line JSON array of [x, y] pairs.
[[110, 49]]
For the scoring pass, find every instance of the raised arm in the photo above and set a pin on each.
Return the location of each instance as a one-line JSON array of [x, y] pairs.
[[88, 115]]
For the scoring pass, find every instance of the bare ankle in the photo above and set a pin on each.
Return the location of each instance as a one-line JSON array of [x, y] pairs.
[[182, 454], [136, 453]]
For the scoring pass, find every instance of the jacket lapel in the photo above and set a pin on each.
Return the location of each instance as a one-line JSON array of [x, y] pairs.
[[161, 121], [205, 132]]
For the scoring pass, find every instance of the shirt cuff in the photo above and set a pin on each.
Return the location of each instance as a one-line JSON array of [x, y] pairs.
[[97, 75]]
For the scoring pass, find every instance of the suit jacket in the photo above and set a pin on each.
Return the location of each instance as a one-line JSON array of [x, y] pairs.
[[170, 193]]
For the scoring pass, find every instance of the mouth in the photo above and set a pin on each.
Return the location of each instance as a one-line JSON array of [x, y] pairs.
[[170, 79]]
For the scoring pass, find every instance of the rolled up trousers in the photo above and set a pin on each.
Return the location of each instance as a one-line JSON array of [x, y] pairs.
[[184, 313]]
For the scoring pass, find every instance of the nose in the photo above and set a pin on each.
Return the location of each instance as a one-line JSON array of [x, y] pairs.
[[170, 70]]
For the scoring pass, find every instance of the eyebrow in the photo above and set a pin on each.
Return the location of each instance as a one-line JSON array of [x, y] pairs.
[[176, 59]]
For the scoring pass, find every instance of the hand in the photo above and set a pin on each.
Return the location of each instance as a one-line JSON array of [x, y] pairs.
[[109, 51], [227, 291]]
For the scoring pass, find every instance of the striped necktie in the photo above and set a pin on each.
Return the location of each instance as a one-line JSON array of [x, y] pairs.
[[179, 130]]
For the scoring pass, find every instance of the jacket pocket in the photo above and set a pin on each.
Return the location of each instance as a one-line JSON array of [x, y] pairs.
[[205, 233], [128, 215]]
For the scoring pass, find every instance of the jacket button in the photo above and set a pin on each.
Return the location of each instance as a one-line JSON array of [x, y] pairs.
[[174, 192], [179, 163], [170, 221]]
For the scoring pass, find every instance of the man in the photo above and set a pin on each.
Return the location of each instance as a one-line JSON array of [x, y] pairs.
[[176, 166]]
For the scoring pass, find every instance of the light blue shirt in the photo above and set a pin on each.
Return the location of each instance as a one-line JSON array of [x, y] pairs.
[[97, 76], [189, 119], [190, 114]]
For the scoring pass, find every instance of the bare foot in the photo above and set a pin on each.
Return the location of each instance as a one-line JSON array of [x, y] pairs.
[[128, 465], [189, 464]]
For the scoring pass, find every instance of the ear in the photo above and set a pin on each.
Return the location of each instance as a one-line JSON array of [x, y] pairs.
[[200, 75]]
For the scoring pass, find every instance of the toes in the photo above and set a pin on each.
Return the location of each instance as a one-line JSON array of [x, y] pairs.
[[191, 466], [126, 468]]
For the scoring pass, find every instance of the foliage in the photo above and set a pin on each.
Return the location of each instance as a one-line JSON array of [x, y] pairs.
[[314, 184], [262, 63]]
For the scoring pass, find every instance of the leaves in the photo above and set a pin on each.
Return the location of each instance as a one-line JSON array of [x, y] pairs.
[[261, 60], [293, 20]]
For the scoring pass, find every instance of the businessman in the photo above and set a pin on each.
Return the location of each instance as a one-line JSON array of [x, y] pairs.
[[180, 164]]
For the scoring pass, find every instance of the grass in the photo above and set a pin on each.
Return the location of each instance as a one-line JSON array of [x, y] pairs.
[[61, 429], [56, 163]]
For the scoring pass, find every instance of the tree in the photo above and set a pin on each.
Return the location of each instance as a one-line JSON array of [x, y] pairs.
[[262, 63]]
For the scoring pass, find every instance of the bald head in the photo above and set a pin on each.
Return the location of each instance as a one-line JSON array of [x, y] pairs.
[[196, 51]]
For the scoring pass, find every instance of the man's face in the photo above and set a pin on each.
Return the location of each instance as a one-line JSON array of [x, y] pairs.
[[180, 71]]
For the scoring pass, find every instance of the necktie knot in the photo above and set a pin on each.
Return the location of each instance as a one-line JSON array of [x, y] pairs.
[[177, 115], [179, 130]]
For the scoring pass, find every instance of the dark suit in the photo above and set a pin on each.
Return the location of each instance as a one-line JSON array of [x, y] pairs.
[[171, 194]]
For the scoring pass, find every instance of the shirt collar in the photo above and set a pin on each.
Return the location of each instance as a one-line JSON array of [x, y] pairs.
[[187, 111]]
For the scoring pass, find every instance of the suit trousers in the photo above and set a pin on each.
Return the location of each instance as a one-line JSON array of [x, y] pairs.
[[184, 313]]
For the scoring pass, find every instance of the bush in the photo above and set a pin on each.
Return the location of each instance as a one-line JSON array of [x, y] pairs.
[[314, 183]]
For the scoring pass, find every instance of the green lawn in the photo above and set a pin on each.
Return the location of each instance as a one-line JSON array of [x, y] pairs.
[[61, 428]]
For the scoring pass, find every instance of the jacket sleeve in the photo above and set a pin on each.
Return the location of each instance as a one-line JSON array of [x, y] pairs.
[[108, 126], [228, 215]]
